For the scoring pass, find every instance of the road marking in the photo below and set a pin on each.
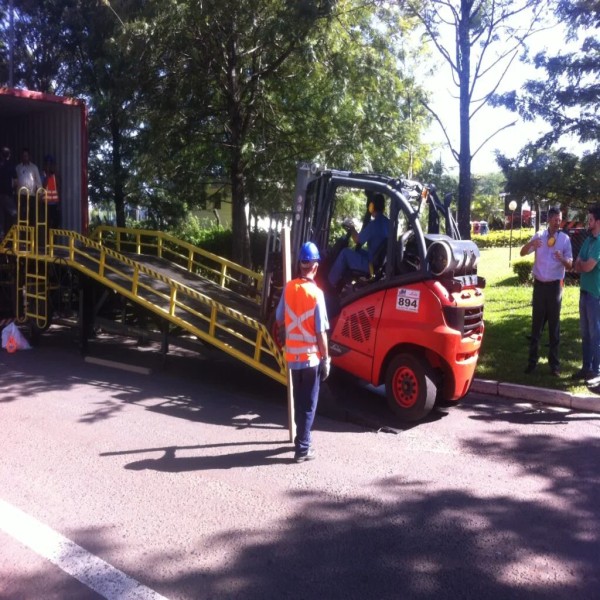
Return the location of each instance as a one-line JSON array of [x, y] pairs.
[[72, 558], [104, 362]]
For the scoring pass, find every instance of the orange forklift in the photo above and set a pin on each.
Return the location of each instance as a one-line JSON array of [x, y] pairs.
[[415, 321]]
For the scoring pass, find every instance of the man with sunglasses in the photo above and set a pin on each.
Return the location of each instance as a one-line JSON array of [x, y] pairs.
[[553, 254]]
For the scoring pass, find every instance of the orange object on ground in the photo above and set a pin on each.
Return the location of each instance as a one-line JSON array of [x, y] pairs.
[[11, 344]]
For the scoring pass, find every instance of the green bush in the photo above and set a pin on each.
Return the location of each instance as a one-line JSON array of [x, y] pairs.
[[501, 239], [213, 238], [522, 269]]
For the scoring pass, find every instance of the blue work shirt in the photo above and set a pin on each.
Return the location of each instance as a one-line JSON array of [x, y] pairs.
[[374, 234]]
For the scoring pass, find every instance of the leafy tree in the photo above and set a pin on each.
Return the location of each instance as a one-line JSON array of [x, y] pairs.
[[557, 176], [487, 204], [479, 40], [567, 98], [188, 99], [36, 47], [75, 47], [568, 93], [241, 91], [436, 174]]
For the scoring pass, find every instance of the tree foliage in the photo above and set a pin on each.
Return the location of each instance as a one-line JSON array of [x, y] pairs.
[[567, 96], [81, 48], [479, 41], [240, 92], [558, 176]]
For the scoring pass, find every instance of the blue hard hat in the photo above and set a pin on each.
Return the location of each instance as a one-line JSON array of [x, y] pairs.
[[309, 252]]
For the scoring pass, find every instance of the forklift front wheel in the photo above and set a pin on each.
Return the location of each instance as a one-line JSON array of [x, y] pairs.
[[410, 387]]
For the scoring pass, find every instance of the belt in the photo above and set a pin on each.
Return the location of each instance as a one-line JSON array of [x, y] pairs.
[[584, 292], [554, 282]]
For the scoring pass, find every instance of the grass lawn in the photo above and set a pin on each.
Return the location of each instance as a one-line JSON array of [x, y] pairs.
[[507, 315]]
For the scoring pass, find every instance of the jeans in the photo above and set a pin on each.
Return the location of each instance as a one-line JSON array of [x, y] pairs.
[[348, 260], [306, 384], [8, 213], [589, 323]]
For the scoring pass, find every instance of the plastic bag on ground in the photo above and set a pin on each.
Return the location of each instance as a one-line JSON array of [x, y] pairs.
[[13, 339]]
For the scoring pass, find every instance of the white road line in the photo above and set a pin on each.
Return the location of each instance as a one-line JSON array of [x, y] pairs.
[[71, 558]]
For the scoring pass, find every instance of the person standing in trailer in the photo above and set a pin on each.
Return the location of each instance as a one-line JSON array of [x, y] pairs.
[[8, 182], [302, 309], [28, 176], [52, 198]]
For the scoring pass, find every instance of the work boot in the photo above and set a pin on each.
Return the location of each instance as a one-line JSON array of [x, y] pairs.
[[310, 454]]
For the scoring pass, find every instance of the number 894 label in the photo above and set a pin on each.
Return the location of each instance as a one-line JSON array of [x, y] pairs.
[[408, 300]]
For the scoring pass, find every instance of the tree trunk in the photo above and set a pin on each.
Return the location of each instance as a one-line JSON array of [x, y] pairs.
[[117, 168], [239, 226], [464, 157]]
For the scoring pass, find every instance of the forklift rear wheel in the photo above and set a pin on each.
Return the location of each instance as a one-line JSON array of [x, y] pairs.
[[410, 387]]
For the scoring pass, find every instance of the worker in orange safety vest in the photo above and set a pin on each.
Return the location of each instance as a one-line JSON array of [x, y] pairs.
[[302, 309], [52, 199]]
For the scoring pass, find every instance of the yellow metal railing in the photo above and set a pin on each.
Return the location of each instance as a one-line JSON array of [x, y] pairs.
[[224, 272], [30, 241], [228, 329], [237, 334]]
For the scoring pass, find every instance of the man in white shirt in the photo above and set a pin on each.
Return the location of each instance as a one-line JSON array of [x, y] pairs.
[[553, 254], [28, 174], [28, 177]]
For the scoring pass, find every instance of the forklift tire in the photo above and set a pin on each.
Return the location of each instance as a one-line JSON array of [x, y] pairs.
[[410, 387]]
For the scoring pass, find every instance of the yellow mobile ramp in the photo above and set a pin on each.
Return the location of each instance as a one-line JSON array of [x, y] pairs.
[[210, 297]]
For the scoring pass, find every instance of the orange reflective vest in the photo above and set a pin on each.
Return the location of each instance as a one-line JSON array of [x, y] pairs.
[[300, 332], [51, 190]]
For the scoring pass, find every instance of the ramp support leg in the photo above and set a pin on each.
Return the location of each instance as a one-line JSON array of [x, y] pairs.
[[86, 315], [164, 346]]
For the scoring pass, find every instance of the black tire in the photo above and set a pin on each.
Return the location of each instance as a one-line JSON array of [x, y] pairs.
[[410, 387]]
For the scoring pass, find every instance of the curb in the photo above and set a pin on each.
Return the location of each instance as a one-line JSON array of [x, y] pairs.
[[513, 391]]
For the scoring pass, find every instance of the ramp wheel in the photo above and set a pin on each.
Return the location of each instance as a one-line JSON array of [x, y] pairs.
[[410, 387]]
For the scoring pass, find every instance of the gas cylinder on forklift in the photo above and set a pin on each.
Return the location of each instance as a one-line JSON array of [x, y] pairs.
[[414, 320]]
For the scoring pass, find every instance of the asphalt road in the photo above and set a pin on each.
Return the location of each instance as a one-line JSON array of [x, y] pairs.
[[180, 483]]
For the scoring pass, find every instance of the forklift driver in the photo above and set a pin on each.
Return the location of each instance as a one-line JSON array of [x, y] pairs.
[[374, 234]]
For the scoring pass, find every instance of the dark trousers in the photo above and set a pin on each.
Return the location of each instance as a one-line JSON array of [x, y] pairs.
[[8, 213], [306, 395], [547, 299], [54, 216]]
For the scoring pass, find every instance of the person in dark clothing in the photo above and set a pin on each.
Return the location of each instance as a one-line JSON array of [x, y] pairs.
[[8, 181], [373, 235], [52, 197]]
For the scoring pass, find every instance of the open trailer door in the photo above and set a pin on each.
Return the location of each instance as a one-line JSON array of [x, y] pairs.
[[56, 126]]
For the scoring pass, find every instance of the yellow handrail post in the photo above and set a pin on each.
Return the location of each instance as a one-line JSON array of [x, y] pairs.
[[134, 280]]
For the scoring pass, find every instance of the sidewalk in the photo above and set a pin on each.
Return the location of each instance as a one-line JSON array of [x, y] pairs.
[[515, 391]]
